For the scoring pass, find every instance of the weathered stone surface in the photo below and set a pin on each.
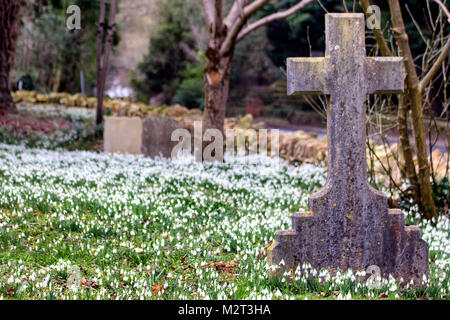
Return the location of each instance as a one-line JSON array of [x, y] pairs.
[[149, 136], [156, 136], [301, 147], [349, 224], [123, 135], [175, 111]]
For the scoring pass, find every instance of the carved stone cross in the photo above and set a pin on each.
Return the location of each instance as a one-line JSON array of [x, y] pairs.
[[349, 224]]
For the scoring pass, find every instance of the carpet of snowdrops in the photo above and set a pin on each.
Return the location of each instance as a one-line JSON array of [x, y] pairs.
[[80, 132], [88, 225]]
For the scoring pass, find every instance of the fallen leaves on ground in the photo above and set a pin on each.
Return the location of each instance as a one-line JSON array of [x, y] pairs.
[[157, 290], [227, 267], [10, 292]]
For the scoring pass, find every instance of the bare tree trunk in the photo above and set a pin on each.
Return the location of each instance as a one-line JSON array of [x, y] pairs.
[[100, 29], [104, 65], [382, 44], [415, 97], [224, 34], [217, 87], [9, 32], [216, 72]]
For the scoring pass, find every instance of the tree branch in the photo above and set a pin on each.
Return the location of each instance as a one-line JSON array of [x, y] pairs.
[[443, 8], [239, 23], [213, 13], [270, 18], [407, 165], [210, 12], [236, 10], [219, 11], [436, 66], [415, 98], [191, 56]]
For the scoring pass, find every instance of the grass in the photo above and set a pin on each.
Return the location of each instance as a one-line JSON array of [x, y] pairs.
[[138, 228], [151, 229]]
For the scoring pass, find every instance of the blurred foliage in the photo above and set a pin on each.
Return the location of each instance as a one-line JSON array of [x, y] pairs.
[[301, 33], [53, 56], [252, 70], [441, 194], [304, 32], [173, 65], [190, 93], [50, 57]]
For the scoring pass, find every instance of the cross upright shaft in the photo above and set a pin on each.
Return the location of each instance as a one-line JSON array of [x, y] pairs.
[[348, 76]]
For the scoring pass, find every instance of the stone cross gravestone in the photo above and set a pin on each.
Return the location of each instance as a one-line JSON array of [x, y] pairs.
[[349, 224]]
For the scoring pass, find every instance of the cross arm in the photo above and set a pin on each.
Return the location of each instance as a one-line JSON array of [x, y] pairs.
[[386, 75], [306, 75]]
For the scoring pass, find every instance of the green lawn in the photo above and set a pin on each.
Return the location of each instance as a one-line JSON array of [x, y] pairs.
[[149, 229], [138, 228]]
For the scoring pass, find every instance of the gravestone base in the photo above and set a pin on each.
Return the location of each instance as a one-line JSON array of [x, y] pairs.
[[148, 136], [404, 255]]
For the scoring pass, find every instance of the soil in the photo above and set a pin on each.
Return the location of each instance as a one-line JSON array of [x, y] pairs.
[[30, 125]]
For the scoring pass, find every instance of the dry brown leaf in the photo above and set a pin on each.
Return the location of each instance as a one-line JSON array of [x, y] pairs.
[[156, 289]]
